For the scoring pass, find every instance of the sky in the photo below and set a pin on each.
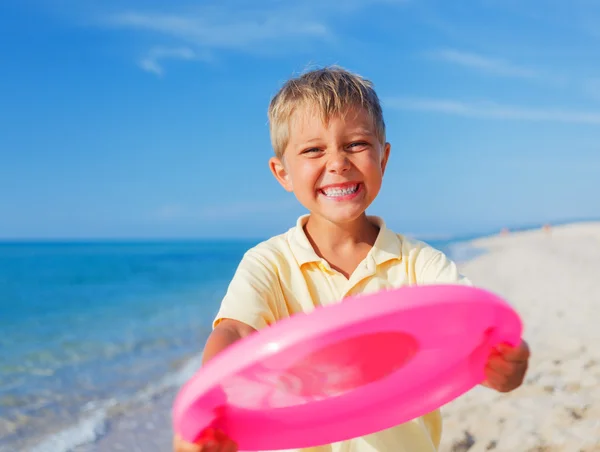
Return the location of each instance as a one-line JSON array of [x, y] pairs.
[[147, 119]]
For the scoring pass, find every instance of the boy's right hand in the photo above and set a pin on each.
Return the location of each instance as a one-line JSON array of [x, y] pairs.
[[211, 440], [224, 334]]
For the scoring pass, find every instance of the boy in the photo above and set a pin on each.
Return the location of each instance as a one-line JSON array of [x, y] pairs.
[[328, 133]]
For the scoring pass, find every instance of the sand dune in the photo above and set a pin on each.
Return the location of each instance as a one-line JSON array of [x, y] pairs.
[[553, 280]]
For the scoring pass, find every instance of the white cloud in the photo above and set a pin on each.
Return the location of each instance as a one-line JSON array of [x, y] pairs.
[[493, 66], [492, 110], [252, 27], [219, 31], [152, 61]]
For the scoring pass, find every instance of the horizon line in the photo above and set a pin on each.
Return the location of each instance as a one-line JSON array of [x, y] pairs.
[[153, 239]]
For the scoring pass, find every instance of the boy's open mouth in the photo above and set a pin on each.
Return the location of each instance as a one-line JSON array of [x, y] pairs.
[[340, 191]]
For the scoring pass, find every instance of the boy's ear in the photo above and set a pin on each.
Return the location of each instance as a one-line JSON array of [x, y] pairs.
[[386, 155], [280, 173]]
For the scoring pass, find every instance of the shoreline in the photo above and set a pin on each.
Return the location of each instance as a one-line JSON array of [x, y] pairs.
[[109, 425]]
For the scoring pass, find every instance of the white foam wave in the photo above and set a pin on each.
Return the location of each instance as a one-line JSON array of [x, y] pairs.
[[88, 430], [94, 422]]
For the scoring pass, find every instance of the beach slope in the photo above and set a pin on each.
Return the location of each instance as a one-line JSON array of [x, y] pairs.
[[552, 278]]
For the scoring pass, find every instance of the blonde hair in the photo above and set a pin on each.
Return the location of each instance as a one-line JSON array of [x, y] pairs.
[[332, 91]]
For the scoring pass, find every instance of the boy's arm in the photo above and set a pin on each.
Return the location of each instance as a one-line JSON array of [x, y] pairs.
[[253, 298], [223, 335], [253, 301]]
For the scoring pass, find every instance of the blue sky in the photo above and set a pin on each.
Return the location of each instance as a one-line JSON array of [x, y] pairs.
[[144, 119]]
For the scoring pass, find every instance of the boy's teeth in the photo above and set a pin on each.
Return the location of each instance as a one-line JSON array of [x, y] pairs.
[[340, 191]]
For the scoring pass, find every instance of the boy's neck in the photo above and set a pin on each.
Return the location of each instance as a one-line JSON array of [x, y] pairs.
[[331, 237]]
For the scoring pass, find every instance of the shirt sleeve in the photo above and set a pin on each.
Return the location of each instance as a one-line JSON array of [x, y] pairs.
[[438, 269], [254, 295]]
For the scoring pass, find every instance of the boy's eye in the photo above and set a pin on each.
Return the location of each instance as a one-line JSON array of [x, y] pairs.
[[357, 145], [311, 150]]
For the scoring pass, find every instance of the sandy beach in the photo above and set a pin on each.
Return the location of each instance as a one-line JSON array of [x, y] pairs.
[[553, 280]]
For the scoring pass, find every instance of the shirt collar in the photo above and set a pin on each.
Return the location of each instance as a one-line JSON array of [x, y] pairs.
[[387, 246]]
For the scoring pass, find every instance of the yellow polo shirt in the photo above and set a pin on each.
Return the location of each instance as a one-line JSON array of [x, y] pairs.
[[284, 276]]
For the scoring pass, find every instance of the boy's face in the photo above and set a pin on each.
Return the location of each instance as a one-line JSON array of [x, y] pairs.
[[336, 169]]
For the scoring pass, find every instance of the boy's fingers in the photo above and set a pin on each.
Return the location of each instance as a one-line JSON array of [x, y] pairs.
[[497, 382], [207, 442], [498, 364], [515, 354], [493, 377], [229, 446], [506, 369], [210, 440], [180, 445]]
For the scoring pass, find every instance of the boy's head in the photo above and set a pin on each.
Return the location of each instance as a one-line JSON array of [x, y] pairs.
[[328, 134], [328, 92]]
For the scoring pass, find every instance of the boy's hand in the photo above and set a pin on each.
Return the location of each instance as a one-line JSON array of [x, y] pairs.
[[506, 367], [223, 335], [211, 440]]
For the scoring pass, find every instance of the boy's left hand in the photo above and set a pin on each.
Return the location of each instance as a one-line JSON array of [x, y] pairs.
[[506, 367]]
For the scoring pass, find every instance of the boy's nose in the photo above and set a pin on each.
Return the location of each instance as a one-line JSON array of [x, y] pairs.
[[338, 163]]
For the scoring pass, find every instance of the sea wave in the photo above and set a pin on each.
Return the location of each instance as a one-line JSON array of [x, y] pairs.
[[96, 417]]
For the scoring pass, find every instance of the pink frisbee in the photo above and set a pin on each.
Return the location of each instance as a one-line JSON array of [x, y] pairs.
[[349, 369]]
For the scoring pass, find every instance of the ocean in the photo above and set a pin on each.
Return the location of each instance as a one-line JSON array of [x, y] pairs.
[[92, 331]]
